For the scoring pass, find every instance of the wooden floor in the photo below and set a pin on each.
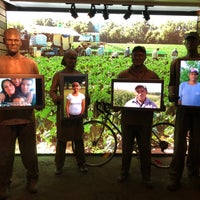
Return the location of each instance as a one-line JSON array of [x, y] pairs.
[[100, 183]]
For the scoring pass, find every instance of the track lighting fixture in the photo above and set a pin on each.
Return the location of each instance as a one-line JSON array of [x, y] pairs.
[[92, 11], [105, 12], [146, 14], [73, 11], [128, 12]]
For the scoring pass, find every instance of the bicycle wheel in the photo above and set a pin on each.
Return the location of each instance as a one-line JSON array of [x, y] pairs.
[[162, 144], [100, 143]]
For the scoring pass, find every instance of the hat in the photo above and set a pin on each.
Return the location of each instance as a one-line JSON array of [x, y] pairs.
[[194, 70], [143, 86], [192, 34]]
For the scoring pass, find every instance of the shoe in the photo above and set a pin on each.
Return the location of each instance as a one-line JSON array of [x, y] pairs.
[[123, 177], [83, 168], [4, 194], [58, 171], [32, 187], [148, 184], [174, 186]]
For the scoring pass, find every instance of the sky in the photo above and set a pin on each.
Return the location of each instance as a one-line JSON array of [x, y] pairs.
[[27, 18]]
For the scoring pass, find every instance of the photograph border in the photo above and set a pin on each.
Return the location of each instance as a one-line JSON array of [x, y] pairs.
[[181, 74], [70, 78], [137, 82], [40, 99]]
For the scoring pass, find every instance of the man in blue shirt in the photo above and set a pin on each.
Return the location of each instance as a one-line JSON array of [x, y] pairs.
[[187, 119], [189, 91]]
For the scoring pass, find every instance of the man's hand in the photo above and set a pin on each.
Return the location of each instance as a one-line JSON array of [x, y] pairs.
[[59, 99], [173, 98]]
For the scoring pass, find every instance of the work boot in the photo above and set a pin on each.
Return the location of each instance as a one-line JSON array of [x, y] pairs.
[[174, 186], [123, 177], [83, 168], [32, 186], [58, 171]]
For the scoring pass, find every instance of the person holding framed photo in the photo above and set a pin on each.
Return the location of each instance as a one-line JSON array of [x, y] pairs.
[[17, 124], [68, 129], [137, 124], [187, 121]]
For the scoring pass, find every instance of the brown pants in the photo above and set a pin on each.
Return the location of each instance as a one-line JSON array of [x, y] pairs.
[[27, 144]]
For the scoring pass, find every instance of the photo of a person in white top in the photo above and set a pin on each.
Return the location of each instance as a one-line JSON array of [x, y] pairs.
[[75, 102]]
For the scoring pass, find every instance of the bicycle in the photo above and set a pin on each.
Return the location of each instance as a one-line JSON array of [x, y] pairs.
[[103, 137]]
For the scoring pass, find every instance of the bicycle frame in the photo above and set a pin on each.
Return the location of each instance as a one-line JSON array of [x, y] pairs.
[[103, 130]]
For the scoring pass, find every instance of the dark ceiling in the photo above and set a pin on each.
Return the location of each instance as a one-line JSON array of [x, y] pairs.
[[155, 7]]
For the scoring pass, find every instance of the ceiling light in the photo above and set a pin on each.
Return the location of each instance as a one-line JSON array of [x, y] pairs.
[[92, 11], [105, 12], [128, 12], [146, 14], [73, 11]]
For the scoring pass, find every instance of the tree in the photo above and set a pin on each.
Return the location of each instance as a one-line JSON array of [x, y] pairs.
[[173, 32], [139, 32], [16, 25], [80, 27], [45, 22]]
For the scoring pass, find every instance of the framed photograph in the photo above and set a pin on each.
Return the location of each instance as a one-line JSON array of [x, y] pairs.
[[21, 91], [137, 95], [188, 91], [74, 89]]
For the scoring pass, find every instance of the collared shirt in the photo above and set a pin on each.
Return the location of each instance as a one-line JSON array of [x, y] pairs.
[[135, 103]]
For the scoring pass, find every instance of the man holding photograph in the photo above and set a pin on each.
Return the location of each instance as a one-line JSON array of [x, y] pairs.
[[137, 124], [187, 120], [17, 124]]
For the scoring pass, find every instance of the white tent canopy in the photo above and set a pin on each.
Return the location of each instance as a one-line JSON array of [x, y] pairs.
[[52, 30]]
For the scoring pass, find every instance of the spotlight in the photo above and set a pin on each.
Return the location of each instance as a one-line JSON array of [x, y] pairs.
[[128, 12], [105, 12], [92, 11], [73, 11], [146, 14]]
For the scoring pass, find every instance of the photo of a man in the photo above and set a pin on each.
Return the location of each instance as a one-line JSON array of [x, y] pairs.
[[140, 100], [189, 91]]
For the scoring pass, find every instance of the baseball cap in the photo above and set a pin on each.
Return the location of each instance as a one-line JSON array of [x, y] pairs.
[[192, 34], [143, 86], [194, 70]]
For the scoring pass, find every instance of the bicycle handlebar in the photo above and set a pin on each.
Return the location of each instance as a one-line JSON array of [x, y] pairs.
[[103, 107]]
